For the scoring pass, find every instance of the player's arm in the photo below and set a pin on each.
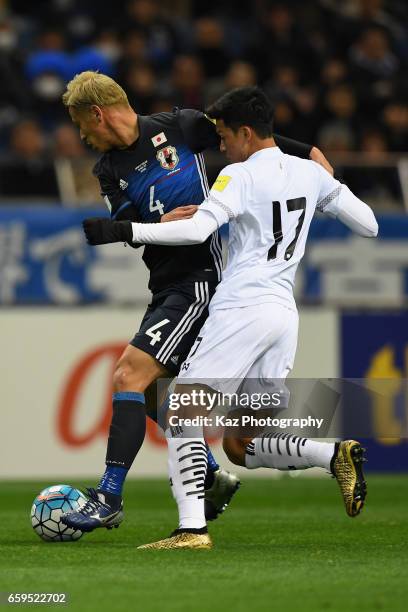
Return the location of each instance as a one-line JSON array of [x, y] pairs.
[[225, 202], [119, 204], [337, 201], [200, 134], [121, 209], [181, 212], [183, 232]]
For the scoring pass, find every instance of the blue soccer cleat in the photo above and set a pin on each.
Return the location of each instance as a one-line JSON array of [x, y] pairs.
[[95, 513]]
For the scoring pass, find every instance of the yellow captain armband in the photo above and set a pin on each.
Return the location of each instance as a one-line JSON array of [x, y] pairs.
[[221, 182]]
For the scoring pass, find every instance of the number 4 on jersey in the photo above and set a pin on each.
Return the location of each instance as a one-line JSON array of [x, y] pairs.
[[292, 205], [153, 332], [155, 204]]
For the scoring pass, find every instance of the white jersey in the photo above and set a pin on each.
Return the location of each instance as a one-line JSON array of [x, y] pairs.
[[270, 200]]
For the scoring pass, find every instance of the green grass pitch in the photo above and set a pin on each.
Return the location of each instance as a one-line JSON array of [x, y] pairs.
[[282, 545]]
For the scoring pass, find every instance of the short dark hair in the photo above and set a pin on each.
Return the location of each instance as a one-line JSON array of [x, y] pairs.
[[244, 106]]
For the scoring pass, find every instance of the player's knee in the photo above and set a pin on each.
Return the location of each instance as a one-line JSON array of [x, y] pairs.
[[123, 376], [129, 377], [235, 450], [135, 371]]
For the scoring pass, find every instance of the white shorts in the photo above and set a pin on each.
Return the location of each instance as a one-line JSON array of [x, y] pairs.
[[251, 342]]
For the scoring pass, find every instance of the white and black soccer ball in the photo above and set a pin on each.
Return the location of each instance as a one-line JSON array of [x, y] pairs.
[[47, 509]]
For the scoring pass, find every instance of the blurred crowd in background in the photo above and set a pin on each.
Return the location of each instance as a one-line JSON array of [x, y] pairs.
[[336, 72]]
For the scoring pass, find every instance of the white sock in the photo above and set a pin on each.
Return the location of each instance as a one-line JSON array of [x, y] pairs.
[[187, 462], [287, 452]]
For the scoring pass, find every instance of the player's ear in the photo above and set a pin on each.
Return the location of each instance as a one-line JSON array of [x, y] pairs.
[[96, 112], [246, 132]]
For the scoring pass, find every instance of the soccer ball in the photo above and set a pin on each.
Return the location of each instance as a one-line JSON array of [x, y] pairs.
[[47, 509]]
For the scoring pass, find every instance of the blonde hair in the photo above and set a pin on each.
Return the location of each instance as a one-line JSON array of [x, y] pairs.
[[91, 87]]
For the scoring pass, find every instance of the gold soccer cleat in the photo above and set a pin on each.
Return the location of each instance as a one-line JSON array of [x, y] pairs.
[[347, 468], [181, 539]]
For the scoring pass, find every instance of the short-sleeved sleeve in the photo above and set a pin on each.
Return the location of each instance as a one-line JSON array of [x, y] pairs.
[[228, 194], [116, 199], [198, 130]]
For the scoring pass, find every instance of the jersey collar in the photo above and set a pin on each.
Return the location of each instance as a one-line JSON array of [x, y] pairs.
[[270, 151]]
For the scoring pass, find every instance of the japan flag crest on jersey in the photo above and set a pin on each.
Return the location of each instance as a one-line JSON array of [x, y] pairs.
[[159, 139], [168, 157]]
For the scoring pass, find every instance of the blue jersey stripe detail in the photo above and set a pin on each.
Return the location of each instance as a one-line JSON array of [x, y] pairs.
[[131, 396], [121, 207]]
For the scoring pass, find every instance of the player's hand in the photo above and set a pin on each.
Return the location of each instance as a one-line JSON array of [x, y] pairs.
[[317, 156], [99, 230], [182, 212]]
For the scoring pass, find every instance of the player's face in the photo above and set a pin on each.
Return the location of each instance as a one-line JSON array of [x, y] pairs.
[[235, 145], [92, 128]]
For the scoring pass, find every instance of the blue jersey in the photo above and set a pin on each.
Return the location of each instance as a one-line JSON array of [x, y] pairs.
[[162, 170]]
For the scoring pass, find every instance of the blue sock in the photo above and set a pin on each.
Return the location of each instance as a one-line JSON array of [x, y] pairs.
[[212, 467], [212, 464], [113, 480], [126, 435]]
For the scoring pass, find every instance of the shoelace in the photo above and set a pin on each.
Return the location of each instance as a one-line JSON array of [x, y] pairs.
[[93, 504]]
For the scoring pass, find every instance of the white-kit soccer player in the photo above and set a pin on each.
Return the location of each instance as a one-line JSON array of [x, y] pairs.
[[269, 199]]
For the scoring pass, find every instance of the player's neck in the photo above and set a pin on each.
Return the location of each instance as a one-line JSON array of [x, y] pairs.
[[125, 128], [261, 143]]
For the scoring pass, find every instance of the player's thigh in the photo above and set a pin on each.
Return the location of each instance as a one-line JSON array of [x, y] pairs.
[[228, 344], [266, 376], [170, 325], [278, 359]]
